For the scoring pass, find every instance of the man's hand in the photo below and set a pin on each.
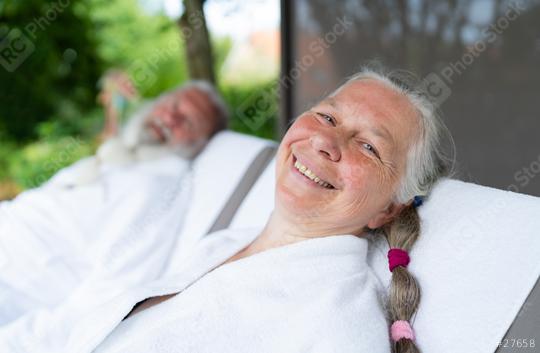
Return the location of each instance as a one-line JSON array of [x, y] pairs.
[[115, 87]]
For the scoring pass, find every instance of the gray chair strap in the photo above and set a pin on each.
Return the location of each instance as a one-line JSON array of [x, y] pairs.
[[244, 186], [526, 326]]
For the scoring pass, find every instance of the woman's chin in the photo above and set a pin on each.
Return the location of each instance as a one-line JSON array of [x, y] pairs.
[[296, 202]]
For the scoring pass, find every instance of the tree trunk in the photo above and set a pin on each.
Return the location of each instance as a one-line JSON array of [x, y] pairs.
[[197, 41]]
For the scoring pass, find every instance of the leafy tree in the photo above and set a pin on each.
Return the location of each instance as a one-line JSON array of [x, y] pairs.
[[195, 34], [148, 46], [58, 76]]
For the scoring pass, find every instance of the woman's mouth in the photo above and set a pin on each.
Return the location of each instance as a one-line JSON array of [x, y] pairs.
[[305, 171]]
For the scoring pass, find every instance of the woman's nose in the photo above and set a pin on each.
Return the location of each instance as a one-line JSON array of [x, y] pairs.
[[326, 146]]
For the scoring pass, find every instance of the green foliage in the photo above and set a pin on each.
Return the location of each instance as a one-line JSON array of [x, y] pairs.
[[36, 162], [239, 98], [51, 96], [87, 125], [62, 67], [148, 47], [7, 151]]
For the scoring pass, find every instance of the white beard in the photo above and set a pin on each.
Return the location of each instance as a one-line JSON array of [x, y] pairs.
[[149, 151], [142, 143]]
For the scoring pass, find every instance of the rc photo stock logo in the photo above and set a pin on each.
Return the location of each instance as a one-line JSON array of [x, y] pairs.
[[436, 89], [15, 48], [259, 108], [143, 73]]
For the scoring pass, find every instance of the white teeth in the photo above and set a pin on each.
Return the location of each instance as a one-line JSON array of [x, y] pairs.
[[304, 170]]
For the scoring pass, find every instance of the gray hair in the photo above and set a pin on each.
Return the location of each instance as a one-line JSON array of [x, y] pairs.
[[427, 159], [213, 96]]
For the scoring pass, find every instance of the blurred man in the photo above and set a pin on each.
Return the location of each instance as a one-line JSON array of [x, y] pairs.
[[179, 122], [134, 192]]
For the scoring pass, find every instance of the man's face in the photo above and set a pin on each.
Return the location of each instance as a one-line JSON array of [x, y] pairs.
[[183, 118], [356, 144]]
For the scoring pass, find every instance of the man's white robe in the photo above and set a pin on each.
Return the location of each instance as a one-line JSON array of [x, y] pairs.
[[52, 238]]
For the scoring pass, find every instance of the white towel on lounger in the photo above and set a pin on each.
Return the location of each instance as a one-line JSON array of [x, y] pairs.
[[316, 295]]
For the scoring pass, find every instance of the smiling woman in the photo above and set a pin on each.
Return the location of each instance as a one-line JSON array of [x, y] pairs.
[[336, 141], [353, 163], [349, 166]]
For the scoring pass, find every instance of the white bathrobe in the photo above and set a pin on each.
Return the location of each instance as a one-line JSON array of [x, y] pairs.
[[318, 295], [51, 238]]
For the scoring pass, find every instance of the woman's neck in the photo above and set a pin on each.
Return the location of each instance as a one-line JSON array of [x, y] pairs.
[[278, 231]]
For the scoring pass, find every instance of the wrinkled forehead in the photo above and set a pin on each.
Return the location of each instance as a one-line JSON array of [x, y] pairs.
[[379, 105], [375, 97]]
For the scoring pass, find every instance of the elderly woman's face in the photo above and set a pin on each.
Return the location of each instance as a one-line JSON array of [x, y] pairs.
[[340, 163]]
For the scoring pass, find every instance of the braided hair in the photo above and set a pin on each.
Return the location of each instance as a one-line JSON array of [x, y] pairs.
[[427, 162]]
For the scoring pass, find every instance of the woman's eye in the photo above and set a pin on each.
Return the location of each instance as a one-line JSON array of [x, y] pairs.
[[370, 148], [327, 118]]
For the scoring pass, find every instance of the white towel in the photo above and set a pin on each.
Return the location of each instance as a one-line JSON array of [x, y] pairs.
[[317, 295]]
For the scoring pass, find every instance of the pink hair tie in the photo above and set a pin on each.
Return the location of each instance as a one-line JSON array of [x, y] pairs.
[[397, 257], [401, 329]]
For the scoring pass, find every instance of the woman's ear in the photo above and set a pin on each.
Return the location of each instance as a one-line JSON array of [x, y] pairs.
[[386, 215]]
